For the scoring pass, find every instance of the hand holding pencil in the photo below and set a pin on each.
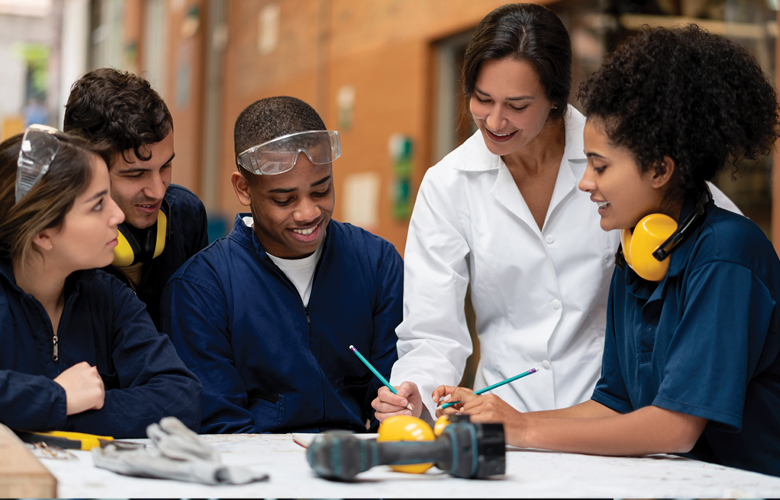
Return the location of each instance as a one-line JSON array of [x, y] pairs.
[[448, 396], [386, 404], [391, 401]]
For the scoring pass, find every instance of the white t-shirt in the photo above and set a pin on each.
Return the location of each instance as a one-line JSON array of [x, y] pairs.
[[299, 271]]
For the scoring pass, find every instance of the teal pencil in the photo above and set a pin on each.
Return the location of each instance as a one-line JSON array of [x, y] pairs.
[[379, 375], [497, 384]]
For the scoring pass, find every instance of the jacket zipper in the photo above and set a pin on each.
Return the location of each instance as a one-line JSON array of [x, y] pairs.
[[55, 346], [306, 311], [55, 353]]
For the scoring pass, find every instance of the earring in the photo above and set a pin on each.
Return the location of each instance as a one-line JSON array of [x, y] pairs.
[[51, 247]]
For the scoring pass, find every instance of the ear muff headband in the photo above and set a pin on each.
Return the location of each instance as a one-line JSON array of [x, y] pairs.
[[130, 251], [654, 238]]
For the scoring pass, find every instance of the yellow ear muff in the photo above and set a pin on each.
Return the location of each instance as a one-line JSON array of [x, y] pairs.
[[638, 247], [162, 231], [123, 252], [130, 250]]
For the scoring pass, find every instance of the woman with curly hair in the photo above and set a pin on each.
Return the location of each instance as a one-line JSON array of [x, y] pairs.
[[691, 360], [78, 352], [502, 215]]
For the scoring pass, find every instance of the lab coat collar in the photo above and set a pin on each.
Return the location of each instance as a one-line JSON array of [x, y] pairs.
[[477, 157], [574, 152]]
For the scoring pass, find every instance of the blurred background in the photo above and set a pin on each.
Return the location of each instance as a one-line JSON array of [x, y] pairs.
[[384, 73]]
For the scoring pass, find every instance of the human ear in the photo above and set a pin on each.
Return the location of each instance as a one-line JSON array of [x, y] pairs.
[[241, 187], [663, 172], [43, 240]]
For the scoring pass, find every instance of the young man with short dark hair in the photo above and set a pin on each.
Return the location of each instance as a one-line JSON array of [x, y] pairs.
[[165, 224], [265, 317]]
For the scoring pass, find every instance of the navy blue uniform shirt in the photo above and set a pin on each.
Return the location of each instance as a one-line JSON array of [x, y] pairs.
[[704, 341], [187, 235], [104, 324], [267, 363]]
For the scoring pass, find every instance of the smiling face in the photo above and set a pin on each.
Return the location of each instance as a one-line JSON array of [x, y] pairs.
[[291, 210], [509, 105], [88, 234], [138, 186], [623, 192]]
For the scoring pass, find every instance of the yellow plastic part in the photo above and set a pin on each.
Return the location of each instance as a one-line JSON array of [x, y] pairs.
[[406, 428], [162, 230], [88, 441], [123, 253], [638, 247], [440, 424]]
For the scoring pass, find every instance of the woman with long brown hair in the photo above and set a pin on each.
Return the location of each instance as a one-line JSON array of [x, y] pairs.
[[78, 351]]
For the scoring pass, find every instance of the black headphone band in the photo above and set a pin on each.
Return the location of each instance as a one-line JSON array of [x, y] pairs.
[[693, 220]]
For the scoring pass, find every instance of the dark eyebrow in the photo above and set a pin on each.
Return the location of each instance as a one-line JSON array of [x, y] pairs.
[[141, 169], [594, 155], [98, 195], [321, 181], [516, 98], [313, 184]]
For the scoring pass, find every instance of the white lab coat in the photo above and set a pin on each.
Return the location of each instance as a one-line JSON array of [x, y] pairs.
[[540, 297]]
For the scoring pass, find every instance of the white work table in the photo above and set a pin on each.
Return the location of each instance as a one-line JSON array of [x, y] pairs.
[[528, 473]]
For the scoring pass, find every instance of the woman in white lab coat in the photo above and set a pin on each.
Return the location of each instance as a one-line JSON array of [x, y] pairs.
[[503, 214]]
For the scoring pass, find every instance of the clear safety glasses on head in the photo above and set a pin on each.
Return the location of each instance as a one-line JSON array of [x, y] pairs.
[[39, 147], [281, 154]]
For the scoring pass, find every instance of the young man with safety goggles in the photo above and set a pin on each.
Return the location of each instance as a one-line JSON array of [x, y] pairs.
[[165, 224], [265, 316]]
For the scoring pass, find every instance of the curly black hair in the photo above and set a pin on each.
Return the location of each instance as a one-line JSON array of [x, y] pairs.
[[684, 93], [117, 108]]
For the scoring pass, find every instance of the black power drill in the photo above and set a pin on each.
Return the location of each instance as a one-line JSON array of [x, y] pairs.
[[463, 449]]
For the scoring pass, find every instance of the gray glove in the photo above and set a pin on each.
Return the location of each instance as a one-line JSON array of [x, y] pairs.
[[175, 440], [178, 454]]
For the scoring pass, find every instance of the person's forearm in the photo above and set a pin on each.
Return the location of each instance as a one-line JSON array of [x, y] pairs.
[[648, 430], [588, 409]]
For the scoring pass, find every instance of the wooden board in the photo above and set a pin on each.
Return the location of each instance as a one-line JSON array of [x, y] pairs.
[[21, 474]]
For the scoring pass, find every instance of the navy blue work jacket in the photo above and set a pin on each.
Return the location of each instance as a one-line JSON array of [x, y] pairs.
[[267, 363], [104, 324], [187, 235], [704, 341]]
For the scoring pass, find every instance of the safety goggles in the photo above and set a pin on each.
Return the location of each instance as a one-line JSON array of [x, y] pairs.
[[39, 147], [280, 155]]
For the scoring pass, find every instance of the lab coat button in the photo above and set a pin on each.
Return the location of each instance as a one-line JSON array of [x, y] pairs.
[[546, 364], [556, 304], [550, 239]]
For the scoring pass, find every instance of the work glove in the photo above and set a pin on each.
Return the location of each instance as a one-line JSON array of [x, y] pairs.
[[177, 453]]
